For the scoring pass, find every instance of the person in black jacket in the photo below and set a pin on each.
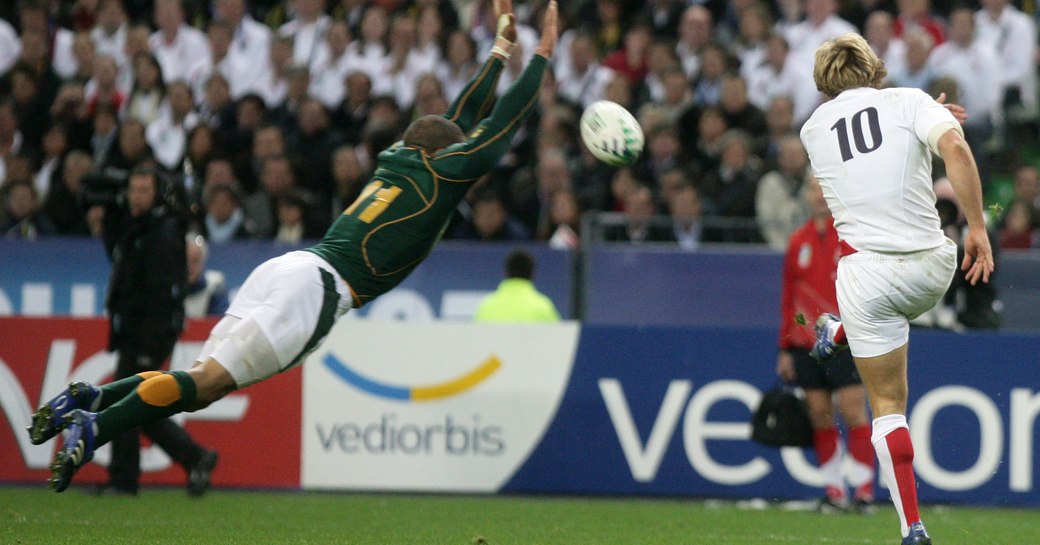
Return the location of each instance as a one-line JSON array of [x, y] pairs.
[[145, 241]]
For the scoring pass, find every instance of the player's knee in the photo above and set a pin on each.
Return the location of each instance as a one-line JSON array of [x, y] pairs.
[[212, 382]]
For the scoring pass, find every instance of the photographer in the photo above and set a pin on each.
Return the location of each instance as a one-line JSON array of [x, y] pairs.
[[143, 233]]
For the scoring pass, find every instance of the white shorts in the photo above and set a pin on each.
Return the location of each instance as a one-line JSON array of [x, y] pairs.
[[878, 294], [281, 313]]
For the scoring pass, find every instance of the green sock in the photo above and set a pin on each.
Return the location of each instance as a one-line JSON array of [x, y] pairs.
[[114, 391], [153, 399]]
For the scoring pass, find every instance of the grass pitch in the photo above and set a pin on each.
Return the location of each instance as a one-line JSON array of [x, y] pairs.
[[167, 516]]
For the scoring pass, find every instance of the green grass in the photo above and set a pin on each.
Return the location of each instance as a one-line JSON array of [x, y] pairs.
[[167, 516]]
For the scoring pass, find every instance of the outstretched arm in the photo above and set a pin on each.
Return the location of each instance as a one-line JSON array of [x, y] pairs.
[[476, 156], [472, 103]]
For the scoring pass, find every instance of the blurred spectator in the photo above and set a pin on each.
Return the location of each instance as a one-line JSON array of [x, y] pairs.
[[490, 220], [916, 14], [1018, 232], [707, 87], [34, 16], [182, 51], [750, 45], [780, 123], [84, 53], [780, 204], [916, 71], [401, 69], [368, 51], [638, 226], [104, 136], [695, 34], [24, 220], [62, 205], [739, 113], [293, 211], [460, 63], [880, 33], [730, 189], [663, 153], [102, 88], [711, 126], [1027, 190], [347, 175], [276, 179], [660, 61], [313, 143], [274, 86], [975, 66], [331, 65], [207, 293], [517, 299], [199, 151], [429, 97], [109, 35], [215, 107], [133, 148], [631, 60], [55, 144], [168, 134], [305, 30], [778, 76], [250, 46], [664, 16], [1013, 35], [30, 107], [583, 81], [35, 56], [149, 89], [10, 46], [351, 115], [564, 222], [225, 220], [687, 218], [821, 24]]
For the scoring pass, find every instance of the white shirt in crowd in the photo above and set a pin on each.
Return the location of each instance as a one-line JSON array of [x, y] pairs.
[[64, 61], [1013, 36], [869, 149], [765, 84], [804, 38], [977, 71], [329, 76], [248, 57], [183, 58], [10, 46], [169, 139], [110, 45], [307, 38]]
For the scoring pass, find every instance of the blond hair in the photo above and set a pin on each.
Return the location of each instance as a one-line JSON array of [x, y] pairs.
[[847, 62]]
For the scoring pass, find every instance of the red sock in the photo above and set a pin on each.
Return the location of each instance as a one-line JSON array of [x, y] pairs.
[[896, 455], [863, 453], [839, 335], [825, 441]]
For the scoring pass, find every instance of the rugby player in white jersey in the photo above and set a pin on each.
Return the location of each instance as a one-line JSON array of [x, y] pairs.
[[870, 149]]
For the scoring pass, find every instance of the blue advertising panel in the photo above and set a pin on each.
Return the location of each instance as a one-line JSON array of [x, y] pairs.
[[51, 277], [630, 285], [666, 411]]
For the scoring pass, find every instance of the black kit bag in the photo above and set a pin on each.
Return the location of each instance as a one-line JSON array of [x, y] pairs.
[[782, 420]]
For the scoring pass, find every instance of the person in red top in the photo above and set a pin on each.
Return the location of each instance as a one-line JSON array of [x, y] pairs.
[[631, 60], [917, 13], [810, 268]]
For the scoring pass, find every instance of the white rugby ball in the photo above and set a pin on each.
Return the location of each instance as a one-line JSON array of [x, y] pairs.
[[611, 133]]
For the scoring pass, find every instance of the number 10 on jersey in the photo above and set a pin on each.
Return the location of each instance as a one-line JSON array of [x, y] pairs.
[[842, 128]]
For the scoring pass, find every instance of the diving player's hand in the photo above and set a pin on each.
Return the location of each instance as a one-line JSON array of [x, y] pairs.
[[977, 249], [549, 30], [958, 111], [505, 28]]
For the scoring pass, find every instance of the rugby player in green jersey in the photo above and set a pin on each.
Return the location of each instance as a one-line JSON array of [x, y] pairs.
[[288, 304]]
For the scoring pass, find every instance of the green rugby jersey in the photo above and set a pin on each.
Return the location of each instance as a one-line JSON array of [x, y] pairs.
[[403, 211]]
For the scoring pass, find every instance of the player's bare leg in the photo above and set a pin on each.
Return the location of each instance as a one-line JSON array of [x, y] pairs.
[[852, 405], [885, 379]]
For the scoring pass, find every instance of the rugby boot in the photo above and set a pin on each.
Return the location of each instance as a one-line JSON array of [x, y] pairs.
[[918, 535], [77, 450], [49, 419]]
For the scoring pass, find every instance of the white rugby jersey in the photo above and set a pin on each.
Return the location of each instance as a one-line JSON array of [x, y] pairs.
[[869, 148]]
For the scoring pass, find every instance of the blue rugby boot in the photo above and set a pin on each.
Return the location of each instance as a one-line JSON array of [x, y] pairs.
[[918, 535], [49, 419], [77, 450], [825, 347]]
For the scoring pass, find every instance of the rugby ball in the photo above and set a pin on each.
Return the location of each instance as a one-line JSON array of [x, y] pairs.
[[611, 133]]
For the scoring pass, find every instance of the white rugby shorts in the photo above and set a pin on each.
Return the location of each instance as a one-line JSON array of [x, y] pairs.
[[281, 313], [879, 293]]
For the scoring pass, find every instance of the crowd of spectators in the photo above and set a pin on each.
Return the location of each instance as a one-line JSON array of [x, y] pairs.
[[271, 112]]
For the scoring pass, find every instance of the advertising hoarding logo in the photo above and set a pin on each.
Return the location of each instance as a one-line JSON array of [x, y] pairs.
[[414, 393], [430, 406]]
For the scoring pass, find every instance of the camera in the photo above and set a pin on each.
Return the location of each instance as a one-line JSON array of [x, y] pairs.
[[107, 187]]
